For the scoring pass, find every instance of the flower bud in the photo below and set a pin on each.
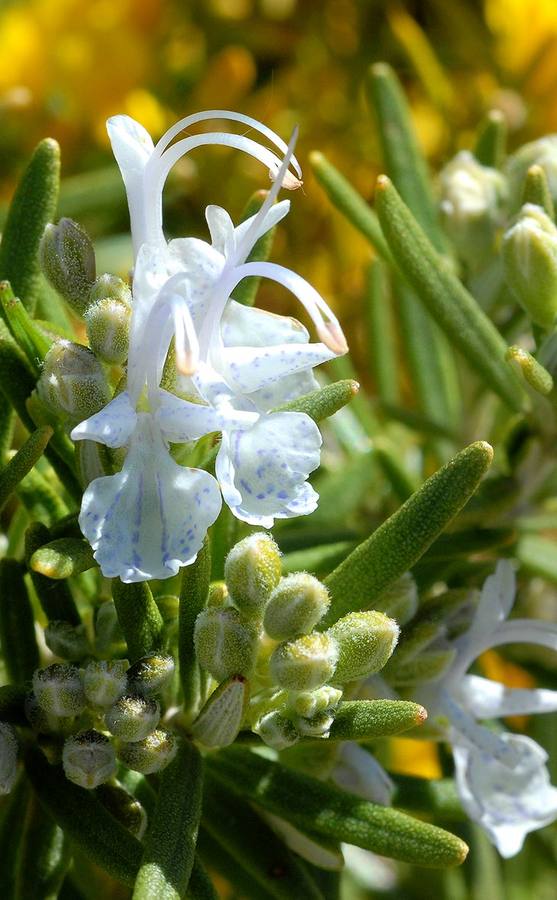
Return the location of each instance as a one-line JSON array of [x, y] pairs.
[[400, 600], [365, 641], [104, 682], [68, 261], [530, 264], [542, 152], [59, 690], [318, 726], [472, 206], [304, 664], [225, 645], [150, 674], [152, 754], [251, 571], [295, 606], [133, 718], [124, 807], [40, 721], [218, 594], [66, 640], [73, 382], [8, 757], [310, 703], [107, 319], [88, 759], [220, 720], [276, 730]]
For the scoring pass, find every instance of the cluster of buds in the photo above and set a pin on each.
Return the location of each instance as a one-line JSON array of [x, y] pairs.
[[107, 711], [277, 674]]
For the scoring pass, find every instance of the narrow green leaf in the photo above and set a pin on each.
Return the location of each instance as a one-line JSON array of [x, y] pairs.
[[381, 334], [491, 143], [40, 495], [55, 597], [200, 886], [246, 291], [362, 720], [43, 858], [349, 202], [193, 598], [438, 798], [400, 541], [84, 819], [17, 627], [16, 378], [323, 402], [63, 557], [536, 190], [24, 331], [318, 560], [401, 481], [23, 461], [32, 208], [12, 818], [170, 847], [139, 617], [334, 813], [532, 371], [7, 423], [216, 857], [448, 301], [538, 556]]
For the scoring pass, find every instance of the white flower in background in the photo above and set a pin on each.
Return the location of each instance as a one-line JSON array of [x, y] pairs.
[[501, 777], [236, 363]]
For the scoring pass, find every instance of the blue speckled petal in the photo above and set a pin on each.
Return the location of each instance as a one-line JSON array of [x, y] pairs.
[[151, 518], [249, 369], [113, 425], [263, 471], [249, 326]]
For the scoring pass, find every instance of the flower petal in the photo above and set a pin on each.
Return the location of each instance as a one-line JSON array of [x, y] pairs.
[[150, 518], [221, 229], [249, 369], [358, 772], [132, 146], [249, 326], [181, 421], [263, 471], [495, 603], [487, 699], [275, 214], [112, 426]]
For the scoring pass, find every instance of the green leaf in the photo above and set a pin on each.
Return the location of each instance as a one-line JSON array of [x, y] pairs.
[[536, 190], [17, 627], [84, 819], [41, 496], [538, 556], [139, 617], [400, 541], [535, 375], [362, 720], [334, 813], [23, 461], [44, 855], [448, 301], [200, 886], [12, 818], [491, 142], [214, 855], [32, 208], [193, 598], [55, 597], [170, 846], [323, 402], [437, 798], [24, 331], [246, 291], [381, 334], [62, 558]]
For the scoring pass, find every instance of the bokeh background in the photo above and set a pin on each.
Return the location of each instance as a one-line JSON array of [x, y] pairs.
[[69, 64]]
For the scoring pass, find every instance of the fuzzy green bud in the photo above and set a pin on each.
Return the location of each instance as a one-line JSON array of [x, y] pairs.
[[310, 703], [304, 664], [68, 261], [220, 720], [542, 152], [400, 600], [473, 199], [218, 594], [251, 571], [8, 758], [104, 682], [73, 382], [42, 722], [152, 754], [295, 606], [150, 674], [530, 264], [276, 730], [66, 640], [107, 319], [225, 645], [59, 690], [133, 718], [88, 759], [365, 641]]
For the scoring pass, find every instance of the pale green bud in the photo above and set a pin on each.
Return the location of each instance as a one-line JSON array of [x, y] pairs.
[[530, 264], [133, 718], [152, 754], [150, 674], [218, 594], [276, 730], [66, 640], [68, 261], [72, 382], [88, 759], [318, 726], [365, 641], [104, 682], [124, 807], [107, 319], [225, 645], [473, 199], [220, 720], [304, 664], [542, 152], [8, 758], [251, 571], [59, 690], [40, 721], [310, 703], [400, 600], [295, 606]]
